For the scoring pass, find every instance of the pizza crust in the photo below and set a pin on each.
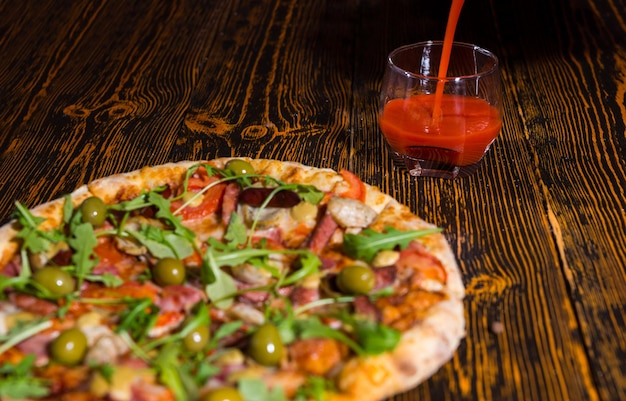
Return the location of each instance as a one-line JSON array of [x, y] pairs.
[[421, 352]]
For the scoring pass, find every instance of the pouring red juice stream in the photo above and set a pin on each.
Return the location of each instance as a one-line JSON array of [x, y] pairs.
[[460, 127]]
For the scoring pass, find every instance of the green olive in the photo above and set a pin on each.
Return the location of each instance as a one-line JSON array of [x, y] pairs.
[[356, 280], [168, 271], [197, 339], [239, 167], [94, 211], [266, 347], [222, 394], [57, 281], [69, 347]]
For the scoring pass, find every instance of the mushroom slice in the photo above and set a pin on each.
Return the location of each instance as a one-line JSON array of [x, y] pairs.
[[248, 314], [350, 213], [251, 274]]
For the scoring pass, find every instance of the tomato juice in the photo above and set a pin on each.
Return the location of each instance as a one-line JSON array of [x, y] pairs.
[[459, 136]]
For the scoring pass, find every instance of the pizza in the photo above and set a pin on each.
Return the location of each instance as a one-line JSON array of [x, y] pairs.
[[229, 279]]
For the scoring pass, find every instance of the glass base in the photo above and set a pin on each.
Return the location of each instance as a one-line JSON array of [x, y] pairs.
[[433, 168]]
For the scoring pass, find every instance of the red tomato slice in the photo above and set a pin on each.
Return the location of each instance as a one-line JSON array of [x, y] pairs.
[[211, 199], [357, 187]]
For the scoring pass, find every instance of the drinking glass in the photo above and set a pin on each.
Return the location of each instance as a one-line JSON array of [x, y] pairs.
[[440, 126]]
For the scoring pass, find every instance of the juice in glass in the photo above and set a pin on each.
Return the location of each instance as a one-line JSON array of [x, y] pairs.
[[464, 129]]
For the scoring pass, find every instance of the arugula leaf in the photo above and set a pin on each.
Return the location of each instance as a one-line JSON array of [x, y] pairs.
[[107, 371], [315, 389], [68, 209], [314, 328], [309, 264], [366, 244], [83, 241], [21, 332], [225, 330], [137, 203], [308, 193], [256, 390], [167, 365], [223, 287], [33, 239], [162, 205], [17, 382], [225, 255], [108, 279], [371, 338], [204, 371], [164, 212], [375, 338], [200, 317], [163, 243], [236, 232], [139, 318]]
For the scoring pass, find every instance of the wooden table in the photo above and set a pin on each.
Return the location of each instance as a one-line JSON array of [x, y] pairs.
[[92, 88]]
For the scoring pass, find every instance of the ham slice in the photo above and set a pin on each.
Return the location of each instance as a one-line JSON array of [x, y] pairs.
[[322, 233], [230, 200]]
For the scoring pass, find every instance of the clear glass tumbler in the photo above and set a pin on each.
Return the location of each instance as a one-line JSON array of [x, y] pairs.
[[440, 126]]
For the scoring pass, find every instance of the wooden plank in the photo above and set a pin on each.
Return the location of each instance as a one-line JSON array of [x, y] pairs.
[[574, 126], [106, 92], [277, 84]]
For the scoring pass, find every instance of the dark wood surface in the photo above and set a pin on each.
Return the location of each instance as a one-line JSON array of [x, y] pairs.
[[92, 88]]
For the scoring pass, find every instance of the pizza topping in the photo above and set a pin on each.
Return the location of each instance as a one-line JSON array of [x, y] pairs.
[[120, 381], [302, 295], [266, 346], [179, 298], [288, 279], [420, 270], [197, 339], [252, 274], [385, 277], [368, 243], [168, 271], [357, 187], [317, 356], [356, 280], [385, 258], [69, 347], [31, 303], [18, 381], [93, 211], [322, 233], [269, 197], [239, 167], [230, 201], [365, 308], [350, 213], [247, 313], [105, 346], [54, 280], [222, 394]]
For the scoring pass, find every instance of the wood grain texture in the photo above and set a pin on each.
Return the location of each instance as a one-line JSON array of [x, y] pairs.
[[91, 88]]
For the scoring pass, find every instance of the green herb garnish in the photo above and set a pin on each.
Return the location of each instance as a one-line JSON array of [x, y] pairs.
[[368, 243], [256, 390], [17, 381]]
